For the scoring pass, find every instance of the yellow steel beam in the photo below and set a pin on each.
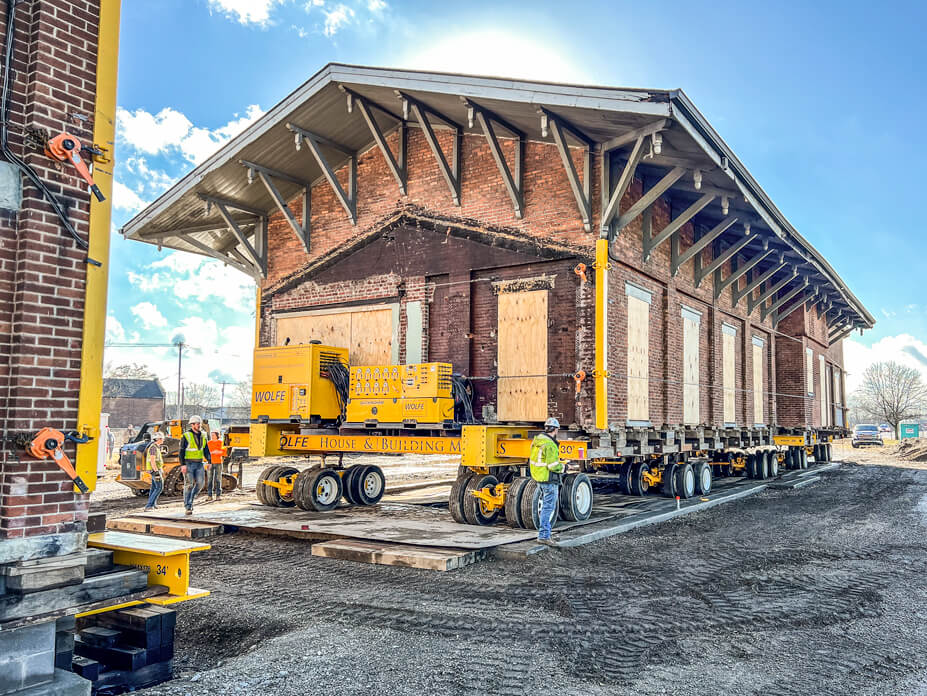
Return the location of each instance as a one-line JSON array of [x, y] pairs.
[[520, 448], [290, 442], [601, 334], [90, 398], [789, 440]]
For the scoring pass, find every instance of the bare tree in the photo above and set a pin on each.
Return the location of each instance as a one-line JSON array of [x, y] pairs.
[[892, 392], [240, 394], [128, 371], [200, 395]]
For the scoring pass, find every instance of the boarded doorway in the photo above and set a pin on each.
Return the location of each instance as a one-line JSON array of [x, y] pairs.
[[369, 333], [522, 356]]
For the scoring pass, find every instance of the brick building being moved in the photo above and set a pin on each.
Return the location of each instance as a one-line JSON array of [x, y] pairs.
[[595, 254]]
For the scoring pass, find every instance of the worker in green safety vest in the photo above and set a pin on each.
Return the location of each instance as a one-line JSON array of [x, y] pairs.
[[193, 448], [546, 467]]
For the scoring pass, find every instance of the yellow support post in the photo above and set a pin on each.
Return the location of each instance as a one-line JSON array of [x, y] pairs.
[[90, 397], [601, 334]]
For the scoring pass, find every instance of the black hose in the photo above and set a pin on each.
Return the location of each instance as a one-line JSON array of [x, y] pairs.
[[340, 375], [462, 391], [4, 133]]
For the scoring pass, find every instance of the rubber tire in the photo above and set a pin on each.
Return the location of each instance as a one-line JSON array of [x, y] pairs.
[[472, 511], [751, 466], [455, 500], [260, 489], [669, 479], [229, 483], [762, 465], [803, 458], [773, 467], [347, 483], [272, 495], [530, 506], [513, 502], [311, 484], [624, 478], [572, 485], [638, 485], [139, 492], [301, 495], [700, 468], [359, 491], [685, 481], [788, 459], [828, 455]]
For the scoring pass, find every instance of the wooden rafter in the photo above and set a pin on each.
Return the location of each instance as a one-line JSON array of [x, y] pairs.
[[266, 176], [716, 265], [778, 302], [396, 163], [738, 295], [421, 111], [700, 244], [612, 201], [348, 199], [257, 255], [582, 190], [511, 176], [676, 224], [649, 198]]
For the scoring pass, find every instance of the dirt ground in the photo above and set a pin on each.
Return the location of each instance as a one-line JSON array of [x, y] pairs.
[[819, 590]]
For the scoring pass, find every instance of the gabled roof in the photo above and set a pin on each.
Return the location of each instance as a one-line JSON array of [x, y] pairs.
[[182, 219], [132, 388]]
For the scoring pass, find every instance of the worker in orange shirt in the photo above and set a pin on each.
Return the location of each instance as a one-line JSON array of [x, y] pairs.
[[214, 468]]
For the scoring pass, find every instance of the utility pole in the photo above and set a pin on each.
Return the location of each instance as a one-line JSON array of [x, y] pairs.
[[179, 383], [222, 404]]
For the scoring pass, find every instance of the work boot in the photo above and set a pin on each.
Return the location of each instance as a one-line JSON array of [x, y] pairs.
[[189, 511], [548, 542], [209, 499]]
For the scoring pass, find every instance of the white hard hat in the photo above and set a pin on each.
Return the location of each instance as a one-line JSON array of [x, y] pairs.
[[196, 419], [157, 435], [552, 424]]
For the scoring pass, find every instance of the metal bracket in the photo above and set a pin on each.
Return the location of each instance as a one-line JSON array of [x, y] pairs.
[[512, 180], [560, 128], [265, 174], [257, 254], [421, 111], [397, 163], [315, 142]]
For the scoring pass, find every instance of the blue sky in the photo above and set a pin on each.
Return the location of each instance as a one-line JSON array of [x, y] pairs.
[[822, 102]]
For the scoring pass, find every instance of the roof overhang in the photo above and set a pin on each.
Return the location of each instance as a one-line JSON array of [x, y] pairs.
[[220, 207]]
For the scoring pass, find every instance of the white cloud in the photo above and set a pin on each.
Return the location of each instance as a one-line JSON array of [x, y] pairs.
[[154, 178], [494, 51], [126, 199], [336, 18], [904, 349], [149, 315], [246, 11], [169, 130], [114, 330], [376, 5]]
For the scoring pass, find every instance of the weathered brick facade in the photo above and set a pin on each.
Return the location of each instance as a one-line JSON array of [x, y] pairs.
[[42, 272], [449, 254]]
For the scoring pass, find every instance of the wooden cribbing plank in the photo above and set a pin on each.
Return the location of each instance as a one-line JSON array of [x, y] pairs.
[[129, 524], [428, 558], [185, 530]]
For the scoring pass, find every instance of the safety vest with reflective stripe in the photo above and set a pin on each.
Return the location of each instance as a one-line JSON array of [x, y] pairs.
[[193, 452], [216, 451], [544, 458], [154, 460]]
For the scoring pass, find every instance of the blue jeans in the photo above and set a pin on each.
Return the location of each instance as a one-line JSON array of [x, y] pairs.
[[157, 485], [550, 498], [193, 482], [214, 480]]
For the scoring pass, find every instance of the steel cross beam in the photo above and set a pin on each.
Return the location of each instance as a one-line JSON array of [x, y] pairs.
[[559, 128], [421, 111], [396, 163], [649, 198], [780, 301], [769, 292], [610, 206], [676, 224], [738, 295], [257, 256], [729, 253], [512, 180], [700, 244], [348, 199], [265, 174]]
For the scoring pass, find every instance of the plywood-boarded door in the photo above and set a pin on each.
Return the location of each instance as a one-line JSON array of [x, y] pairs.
[[369, 333], [758, 345], [330, 329], [728, 348], [371, 337], [522, 356], [638, 354], [691, 322]]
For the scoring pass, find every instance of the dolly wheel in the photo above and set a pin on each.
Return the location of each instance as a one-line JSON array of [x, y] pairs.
[[322, 489], [762, 465], [369, 485], [347, 484], [803, 458], [455, 501], [773, 468], [703, 478], [273, 495], [576, 497], [301, 495], [828, 452], [685, 481], [639, 484], [751, 468], [624, 478], [260, 489], [788, 459], [474, 509], [669, 479], [513, 502], [531, 507]]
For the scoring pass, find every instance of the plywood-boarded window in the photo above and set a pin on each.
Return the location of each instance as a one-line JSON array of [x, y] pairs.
[[638, 353], [728, 351], [522, 356], [809, 370], [369, 333], [822, 364], [691, 322], [758, 347]]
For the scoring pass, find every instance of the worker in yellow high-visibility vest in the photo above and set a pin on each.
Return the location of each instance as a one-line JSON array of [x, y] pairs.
[[193, 453], [546, 468]]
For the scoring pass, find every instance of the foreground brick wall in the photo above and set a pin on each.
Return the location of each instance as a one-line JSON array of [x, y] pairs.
[[42, 271]]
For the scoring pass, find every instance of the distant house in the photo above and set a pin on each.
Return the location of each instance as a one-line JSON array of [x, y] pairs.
[[133, 401]]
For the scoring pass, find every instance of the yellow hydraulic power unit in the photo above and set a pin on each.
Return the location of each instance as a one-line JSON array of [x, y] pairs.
[[291, 385], [400, 395]]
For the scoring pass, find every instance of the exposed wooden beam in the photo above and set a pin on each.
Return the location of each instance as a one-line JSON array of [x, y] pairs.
[[612, 200], [787, 311], [256, 258], [738, 295], [717, 264], [778, 302], [841, 336], [266, 176], [512, 179], [229, 203], [700, 244], [191, 229], [676, 224], [582, 190], [421, 111], [649, 198], [635, 135], [246, 267], [770, 292], [397, 162], [348, 199]]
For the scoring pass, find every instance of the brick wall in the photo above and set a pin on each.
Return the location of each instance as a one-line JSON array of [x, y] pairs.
[[124, 411], [42, 272]]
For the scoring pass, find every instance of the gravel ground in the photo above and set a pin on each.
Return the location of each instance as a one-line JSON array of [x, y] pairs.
[[819, 590]]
